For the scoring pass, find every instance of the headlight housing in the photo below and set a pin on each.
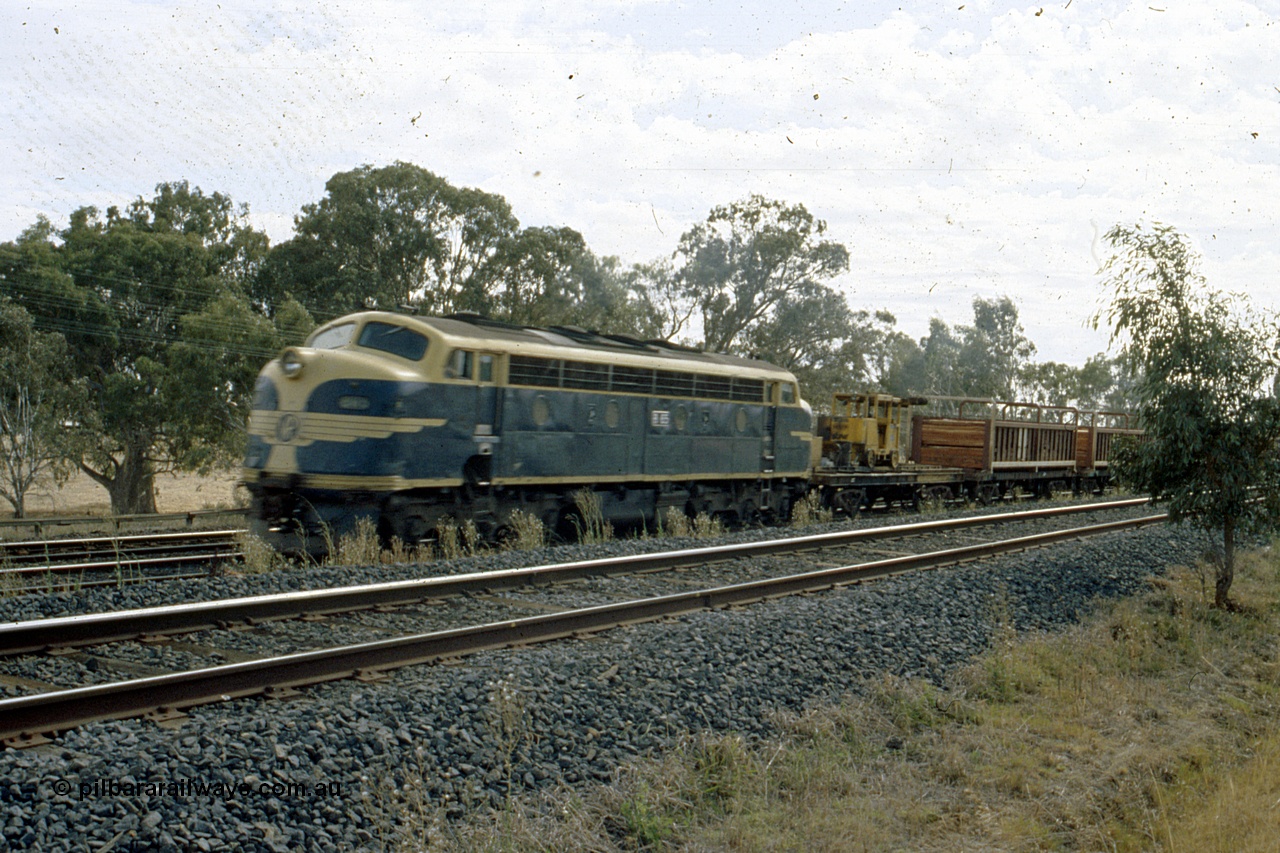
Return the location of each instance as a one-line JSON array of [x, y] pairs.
[[291, 363]]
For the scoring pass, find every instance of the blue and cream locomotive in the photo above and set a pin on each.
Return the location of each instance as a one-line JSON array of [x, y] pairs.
[[412, 422]]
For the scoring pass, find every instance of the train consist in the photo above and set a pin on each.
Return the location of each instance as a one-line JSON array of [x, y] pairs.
[[414, 422], [882, 448]]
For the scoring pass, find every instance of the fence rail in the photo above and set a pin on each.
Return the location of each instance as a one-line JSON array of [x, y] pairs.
[[41, 526]]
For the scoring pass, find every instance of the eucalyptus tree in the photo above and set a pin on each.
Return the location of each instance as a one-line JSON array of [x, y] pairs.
[[126, 291], [822, 340], [547, 277], [939, 360], [993, 350], [1207, 371], [42, 405], [1090, 386], [391, 236], [751, 258], [665, 310]]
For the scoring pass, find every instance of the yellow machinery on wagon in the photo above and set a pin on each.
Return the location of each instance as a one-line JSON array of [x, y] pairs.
[[867, 430]]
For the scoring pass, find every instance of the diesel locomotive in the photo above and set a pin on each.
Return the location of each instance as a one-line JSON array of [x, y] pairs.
[[412, 422]]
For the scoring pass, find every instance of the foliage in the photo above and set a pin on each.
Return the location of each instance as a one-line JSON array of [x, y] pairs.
[[987, 359], [40, 401], [526, 532], [664, 310], [1206, 391], [1093, 386], [809, 510], [401, 236], [391, 236], [821, 340], [548, 277], [153, 304], [586, 521], [994, 350], [749, 260]]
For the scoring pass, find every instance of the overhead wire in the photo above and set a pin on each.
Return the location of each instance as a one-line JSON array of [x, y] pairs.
[[53, 304]]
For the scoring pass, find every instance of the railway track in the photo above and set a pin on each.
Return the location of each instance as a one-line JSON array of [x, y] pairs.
[[741, 574], [103, 560]]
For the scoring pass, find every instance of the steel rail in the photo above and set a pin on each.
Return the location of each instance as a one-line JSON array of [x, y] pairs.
[[123, 563], [47, 550], [29, 718], [89, 629]]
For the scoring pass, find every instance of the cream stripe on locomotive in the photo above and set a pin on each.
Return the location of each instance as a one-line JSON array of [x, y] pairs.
[[304, 428]]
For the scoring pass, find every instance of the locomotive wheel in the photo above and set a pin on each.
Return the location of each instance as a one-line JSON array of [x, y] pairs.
[[413, 528], [505, 537]]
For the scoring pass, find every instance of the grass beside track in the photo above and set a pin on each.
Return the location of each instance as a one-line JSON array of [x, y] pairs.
[[1155, 725]]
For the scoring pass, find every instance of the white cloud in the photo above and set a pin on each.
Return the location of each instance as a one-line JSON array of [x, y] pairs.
[[956, 152]]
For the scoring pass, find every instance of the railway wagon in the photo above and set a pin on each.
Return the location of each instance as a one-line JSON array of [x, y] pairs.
[[1096, 437], [1004, 447], [866, 444], [411, 422]]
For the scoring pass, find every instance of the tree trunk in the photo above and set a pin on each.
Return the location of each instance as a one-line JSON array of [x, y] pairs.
[[132, 489], [1226, 571]]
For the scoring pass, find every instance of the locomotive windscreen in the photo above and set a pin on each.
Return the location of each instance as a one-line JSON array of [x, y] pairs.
[[394, 339]]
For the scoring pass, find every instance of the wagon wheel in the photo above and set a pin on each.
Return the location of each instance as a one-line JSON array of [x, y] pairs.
[[935, 497], [850, 501]]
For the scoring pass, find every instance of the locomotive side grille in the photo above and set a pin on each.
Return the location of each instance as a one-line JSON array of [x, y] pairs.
[[747, 390], [720, 387], [634, 380], [587, 376], [528, 370], [668, 383]]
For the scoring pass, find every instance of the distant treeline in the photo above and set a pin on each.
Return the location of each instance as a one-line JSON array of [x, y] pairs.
[[130, 339]]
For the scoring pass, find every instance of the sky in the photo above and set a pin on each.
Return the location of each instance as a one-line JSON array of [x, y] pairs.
[[958, 150]]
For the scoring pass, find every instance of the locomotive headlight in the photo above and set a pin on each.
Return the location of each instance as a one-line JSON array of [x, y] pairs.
[[291, 363]]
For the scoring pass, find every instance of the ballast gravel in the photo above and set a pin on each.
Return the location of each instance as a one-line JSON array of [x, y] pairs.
[[329, 769]]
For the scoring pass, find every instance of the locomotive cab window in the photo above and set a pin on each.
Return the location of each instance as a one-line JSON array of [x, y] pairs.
[[461, 364], [335, 337], [393, 339], [788, 393]]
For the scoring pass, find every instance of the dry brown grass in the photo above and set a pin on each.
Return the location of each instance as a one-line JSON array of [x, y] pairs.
[[174, 493], [1154, 726]]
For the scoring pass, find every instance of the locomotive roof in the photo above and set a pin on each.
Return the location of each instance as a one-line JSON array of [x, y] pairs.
[[464, 330]]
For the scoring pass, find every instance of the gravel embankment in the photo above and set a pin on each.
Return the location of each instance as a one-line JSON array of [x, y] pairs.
[[581, 707]]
